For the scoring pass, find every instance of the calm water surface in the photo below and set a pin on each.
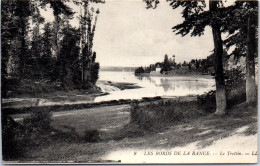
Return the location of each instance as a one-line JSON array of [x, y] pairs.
[[153, 86]]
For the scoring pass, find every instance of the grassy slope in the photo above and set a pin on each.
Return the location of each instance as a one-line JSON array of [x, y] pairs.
[[110, 120]]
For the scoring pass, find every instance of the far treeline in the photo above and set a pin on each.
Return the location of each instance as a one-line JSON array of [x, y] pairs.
[[168, 66], [34, 50], [238, 21]]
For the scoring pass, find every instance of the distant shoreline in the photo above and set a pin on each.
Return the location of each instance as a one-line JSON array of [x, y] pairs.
[[189, 74], [171, 75]]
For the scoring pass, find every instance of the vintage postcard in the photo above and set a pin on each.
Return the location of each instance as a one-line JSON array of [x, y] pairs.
[[129, 81]]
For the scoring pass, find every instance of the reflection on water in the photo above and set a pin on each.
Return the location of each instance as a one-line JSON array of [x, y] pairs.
[[155, 86]]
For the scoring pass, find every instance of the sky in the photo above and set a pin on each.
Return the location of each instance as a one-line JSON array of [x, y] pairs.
[[128, 34]]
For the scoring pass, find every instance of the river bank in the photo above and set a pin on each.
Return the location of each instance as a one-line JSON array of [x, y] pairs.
[[125, 88], [81, 98]]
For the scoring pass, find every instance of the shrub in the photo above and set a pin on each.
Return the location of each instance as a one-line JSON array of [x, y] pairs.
[[165, 111], [39, 121], [154, 115], [235, 79], [91, 136], [207, 101], [69, 135], [9, 85], [94, 73], [35, 87], [235, 86], [12, 146], [16, 137], [130, 130], [134, 107], [235, 91], [139, 70]]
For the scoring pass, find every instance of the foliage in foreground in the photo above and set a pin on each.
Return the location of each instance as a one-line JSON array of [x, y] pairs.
[[38, 122], [235, 88], [36, 131], [158, 115]]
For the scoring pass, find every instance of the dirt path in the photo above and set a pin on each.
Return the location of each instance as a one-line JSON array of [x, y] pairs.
[[237, 148], [209, 139]]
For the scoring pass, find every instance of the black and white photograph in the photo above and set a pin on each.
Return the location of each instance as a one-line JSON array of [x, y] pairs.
[[129, 81]]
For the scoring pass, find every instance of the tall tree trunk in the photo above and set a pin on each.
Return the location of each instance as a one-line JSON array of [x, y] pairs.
[[250, 62], [23, 56], [56, 31], [218, 55], [83, 42], [89, 52], [4, 61]]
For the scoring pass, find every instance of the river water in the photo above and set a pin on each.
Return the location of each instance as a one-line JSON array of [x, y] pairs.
[[167, 87]]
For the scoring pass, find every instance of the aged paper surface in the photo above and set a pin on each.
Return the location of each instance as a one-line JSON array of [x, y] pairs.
[[129, 82]]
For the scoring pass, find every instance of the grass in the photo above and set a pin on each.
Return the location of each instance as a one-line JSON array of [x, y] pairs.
[[155, 116], [43, 88], [116, 132], [105, 120]]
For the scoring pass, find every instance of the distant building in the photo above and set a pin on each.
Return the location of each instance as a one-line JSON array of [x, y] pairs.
[[158, 68]]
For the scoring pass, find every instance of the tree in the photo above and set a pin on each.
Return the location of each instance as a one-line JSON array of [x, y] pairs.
[[29, 52], [166, 63], [46, 62], [139, 70], [9, 32], [242, 28], [22, 12], [196, 18], [87, 30], [184, 63], [35, 53], [68, 64], [94, 73], [14, 38], [251, 43], [189, 65], [83, 38], [35, 43], [218, 56], [197, 64], [59, 7]]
